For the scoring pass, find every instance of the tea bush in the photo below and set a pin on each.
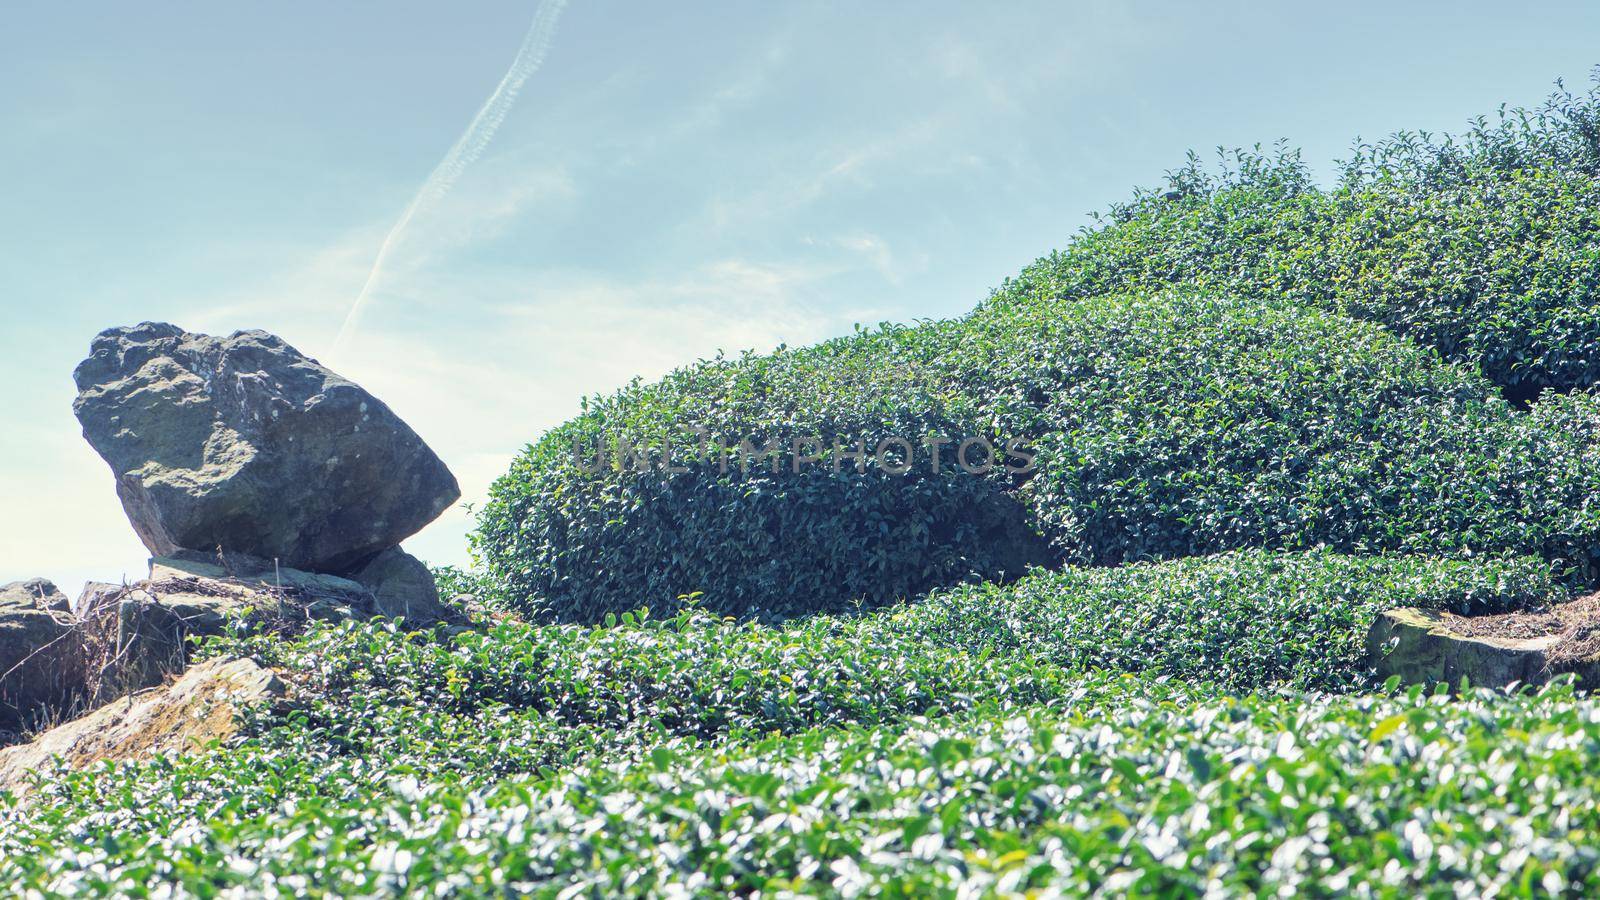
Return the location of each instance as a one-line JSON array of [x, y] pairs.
[[1188, 372], [386, 769], [1180, 424], [1484, 247], [1166, 425], [757, 537], [1243, 620], [1192, 374]]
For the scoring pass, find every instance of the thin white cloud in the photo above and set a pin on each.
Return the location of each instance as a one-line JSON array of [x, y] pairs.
[[467, 148]]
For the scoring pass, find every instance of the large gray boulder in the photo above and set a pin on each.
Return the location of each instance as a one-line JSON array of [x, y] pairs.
[[243, 443]]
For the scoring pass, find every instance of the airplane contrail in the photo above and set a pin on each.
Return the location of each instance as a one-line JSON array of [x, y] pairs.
[[467, 148]]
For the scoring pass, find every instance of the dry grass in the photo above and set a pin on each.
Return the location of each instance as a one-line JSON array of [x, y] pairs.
[[1575, 625]]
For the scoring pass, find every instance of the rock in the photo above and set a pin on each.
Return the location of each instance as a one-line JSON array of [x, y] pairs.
[[395, 583], [138, 635], [201, 706], [94, 595], [40, 671], [243, 443], [1429, 647], [143, 633], [38, 591], [401, 585], [252, 572]]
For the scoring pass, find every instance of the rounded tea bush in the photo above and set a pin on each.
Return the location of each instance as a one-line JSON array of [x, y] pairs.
[[673, 512], [1183, 424]]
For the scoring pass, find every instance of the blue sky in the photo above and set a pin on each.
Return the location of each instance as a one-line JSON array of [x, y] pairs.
[[676, 179]]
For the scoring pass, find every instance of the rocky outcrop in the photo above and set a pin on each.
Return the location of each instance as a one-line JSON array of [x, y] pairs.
[[38, 592], [200, 707], [1431, 647], [94, 595], [142, 633], [394, 583], [243, 443], [40, 665], [123, 638], [118, 639], [241, 570], [266, 487]]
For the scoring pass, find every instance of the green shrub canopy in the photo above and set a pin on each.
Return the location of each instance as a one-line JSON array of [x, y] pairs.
[[1237, 621], [1245, 620], [760, 536], [1150, 796], [1485, 248], [1166, 425]]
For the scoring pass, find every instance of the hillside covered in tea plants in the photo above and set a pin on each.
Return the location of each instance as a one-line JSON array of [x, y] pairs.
[[1259, 412], [1240, 360]]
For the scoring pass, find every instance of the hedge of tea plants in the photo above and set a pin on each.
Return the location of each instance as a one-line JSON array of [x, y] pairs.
[[1250, 412], [674, 512], [405, 760], [1243, 620], [520, 697], [1180, 424], [1165, 425]]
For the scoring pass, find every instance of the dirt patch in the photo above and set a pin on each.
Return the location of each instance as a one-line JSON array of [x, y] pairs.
[[180, 716], [1575, 625]]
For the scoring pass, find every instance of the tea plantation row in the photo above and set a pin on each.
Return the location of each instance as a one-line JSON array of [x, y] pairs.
[[308, 798], [1130, 790], [523, 696], [1481, 246]]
